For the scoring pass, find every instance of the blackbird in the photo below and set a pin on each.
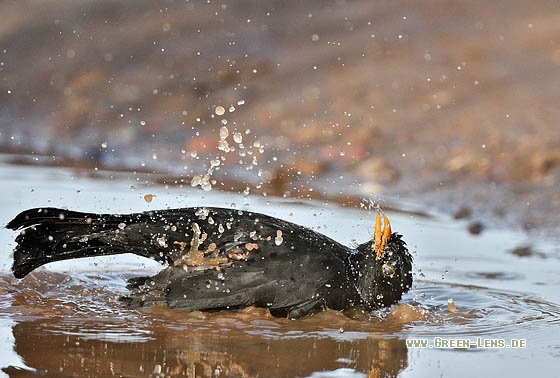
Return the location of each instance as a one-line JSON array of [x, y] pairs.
[[218, 258]]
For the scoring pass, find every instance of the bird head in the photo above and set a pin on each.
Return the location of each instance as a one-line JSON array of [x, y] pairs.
[[381, 268]]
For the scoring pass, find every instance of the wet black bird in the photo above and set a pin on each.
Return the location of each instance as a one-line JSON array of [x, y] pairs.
[[224, 258]]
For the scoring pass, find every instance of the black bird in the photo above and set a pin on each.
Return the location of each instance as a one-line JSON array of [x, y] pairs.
[[224, 258]]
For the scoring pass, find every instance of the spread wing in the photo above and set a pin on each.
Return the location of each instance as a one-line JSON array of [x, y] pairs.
[[231, 260]]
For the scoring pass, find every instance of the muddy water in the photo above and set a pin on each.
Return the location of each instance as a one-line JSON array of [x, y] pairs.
[[66, 320]]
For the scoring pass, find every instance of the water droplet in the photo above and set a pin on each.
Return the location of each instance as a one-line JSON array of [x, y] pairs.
[[223, 145], [196, 180], [214, 163], [224, 132], [451, 305], [220, 110], [238, 138], [278, 239], [251, 246]]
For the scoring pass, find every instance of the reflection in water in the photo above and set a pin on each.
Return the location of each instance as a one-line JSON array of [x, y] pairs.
[[214, 351], [76, 327], [62, 330], [203, 353]]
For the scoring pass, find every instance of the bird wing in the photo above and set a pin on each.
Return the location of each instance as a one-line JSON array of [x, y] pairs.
[[214, 237], [236, 286], [251, 260]]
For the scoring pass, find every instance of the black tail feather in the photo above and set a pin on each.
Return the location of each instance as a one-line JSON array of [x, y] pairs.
[[51, 234], [43, 215]]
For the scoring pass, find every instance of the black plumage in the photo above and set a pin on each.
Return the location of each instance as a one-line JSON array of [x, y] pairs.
[[224, 258]]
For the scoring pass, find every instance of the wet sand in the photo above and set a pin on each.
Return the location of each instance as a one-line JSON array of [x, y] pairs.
[[438, 104]]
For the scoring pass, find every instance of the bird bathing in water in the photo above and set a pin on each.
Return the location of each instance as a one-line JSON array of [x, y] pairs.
[[224, 259]]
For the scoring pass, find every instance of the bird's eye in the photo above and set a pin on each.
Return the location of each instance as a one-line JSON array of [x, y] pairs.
[[388, 270]]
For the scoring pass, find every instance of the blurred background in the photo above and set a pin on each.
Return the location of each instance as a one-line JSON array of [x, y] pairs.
[[434, 104], [436, 108]]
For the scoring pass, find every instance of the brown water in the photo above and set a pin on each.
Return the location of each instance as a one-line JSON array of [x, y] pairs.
[[65, 319]]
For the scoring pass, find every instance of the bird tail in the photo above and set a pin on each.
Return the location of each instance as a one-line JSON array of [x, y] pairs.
[[51, 234]]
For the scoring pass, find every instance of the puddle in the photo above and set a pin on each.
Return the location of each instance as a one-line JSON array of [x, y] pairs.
[[65, 319]]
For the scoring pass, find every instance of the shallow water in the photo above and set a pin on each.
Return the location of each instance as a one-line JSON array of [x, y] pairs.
[[65, 319]]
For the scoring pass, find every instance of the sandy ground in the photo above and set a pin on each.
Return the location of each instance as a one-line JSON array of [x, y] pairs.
[[436, 103]]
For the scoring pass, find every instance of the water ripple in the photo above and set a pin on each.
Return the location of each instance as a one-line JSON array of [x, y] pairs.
[[479, 311]]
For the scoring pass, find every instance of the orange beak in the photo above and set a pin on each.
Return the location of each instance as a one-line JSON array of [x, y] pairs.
[[380, 238]]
